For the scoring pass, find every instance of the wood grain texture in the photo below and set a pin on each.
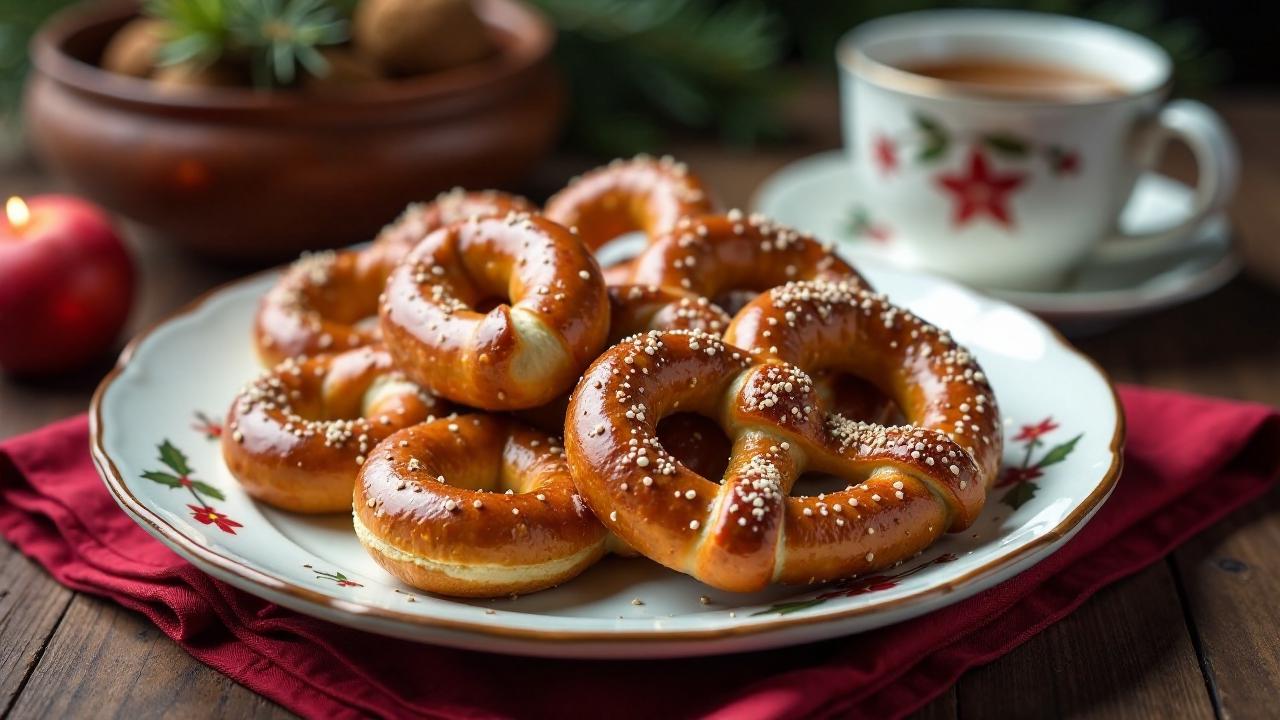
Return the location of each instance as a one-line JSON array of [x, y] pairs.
[[1125, 654], [31, 606], [1230, 579], [105, 661], [942, 707]]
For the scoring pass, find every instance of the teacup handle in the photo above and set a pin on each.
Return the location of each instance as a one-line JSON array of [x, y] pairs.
[[1218, 166]]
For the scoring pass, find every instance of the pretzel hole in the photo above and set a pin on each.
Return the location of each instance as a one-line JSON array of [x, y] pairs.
[[814, 483], [485, 304], [859, 399], [697, 442]]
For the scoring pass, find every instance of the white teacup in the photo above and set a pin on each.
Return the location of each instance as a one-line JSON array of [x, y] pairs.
[[1000, 147]]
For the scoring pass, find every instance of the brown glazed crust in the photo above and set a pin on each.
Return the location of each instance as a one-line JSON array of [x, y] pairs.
[[421, 219], [936, 383], [319, 302], [526, 350], [640, 308], [324, 301], [716, 255], [906, 484], [435, 493], [641, 194], [296, 436]]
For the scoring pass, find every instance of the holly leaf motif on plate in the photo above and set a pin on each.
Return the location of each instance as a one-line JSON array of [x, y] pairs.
[[163, 478], [787, 608], [1020, 495], [205, 488], [1058, 453], [174, 458]]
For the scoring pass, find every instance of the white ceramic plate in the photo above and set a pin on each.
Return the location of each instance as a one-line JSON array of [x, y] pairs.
[[816, 195], [145, 421]]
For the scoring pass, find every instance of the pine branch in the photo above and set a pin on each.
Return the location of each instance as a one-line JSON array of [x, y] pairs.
[[637, 67]]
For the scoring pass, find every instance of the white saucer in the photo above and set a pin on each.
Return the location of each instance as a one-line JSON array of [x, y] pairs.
[[814, 195]]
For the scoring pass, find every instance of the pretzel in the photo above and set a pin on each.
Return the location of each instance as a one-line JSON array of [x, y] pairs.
[[430, 509], [641, 194], [551, 320], [328, 301], [633, 309], [640, 308], [733, 257], [421, 219], [299, 433], [907, 484]]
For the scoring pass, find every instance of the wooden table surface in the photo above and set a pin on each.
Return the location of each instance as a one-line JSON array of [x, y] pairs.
[[1195, 635]]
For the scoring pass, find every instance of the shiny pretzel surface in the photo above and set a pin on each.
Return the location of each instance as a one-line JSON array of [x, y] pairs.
[[906, 485], [328, 301], [475, 505], [549, 318], [298, 434]]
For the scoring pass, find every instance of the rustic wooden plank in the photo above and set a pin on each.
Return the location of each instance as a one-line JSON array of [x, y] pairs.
[[109, 662], [1231, 579], [31, 606], [1125, 653], [1255, 213], [942, 707]]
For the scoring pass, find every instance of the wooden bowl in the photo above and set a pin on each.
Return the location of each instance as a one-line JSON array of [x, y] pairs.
[[249, 175]]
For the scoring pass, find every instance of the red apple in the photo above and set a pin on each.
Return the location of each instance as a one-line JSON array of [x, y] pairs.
[[66, 284]]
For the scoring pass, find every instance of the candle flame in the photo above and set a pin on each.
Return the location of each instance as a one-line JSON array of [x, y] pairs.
[[17, 211]]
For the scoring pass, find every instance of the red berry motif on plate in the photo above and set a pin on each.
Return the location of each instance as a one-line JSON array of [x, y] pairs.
[[1019, 478], [207, 426], [179, 476], [860, 225], [337, 577]]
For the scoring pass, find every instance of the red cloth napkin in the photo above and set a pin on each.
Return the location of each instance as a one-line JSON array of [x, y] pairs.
[[1189, 462]]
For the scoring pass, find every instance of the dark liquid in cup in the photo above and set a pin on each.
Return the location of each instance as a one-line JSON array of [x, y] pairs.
[[1018, 79]]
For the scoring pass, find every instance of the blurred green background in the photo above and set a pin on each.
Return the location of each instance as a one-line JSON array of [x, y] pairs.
[[641, 70]]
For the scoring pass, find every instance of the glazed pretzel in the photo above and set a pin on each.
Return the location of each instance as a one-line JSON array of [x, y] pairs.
[[640, 308], [641, 194], [935, 383], [328, 302], [430, 508], [634, 309], [299, 432], [551, 318], [733, 257], [421, 219], [324, 302], [907, 484]]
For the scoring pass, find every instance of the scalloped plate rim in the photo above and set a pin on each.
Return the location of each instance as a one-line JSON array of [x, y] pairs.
[[653, 642]]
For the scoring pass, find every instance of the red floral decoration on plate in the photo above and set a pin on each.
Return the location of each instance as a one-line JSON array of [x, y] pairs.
[[179, 475], [210, 516], [207, 426], [1020, 477]]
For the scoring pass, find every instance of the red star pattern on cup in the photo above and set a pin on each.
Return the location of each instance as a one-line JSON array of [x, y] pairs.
[[980, 190]]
